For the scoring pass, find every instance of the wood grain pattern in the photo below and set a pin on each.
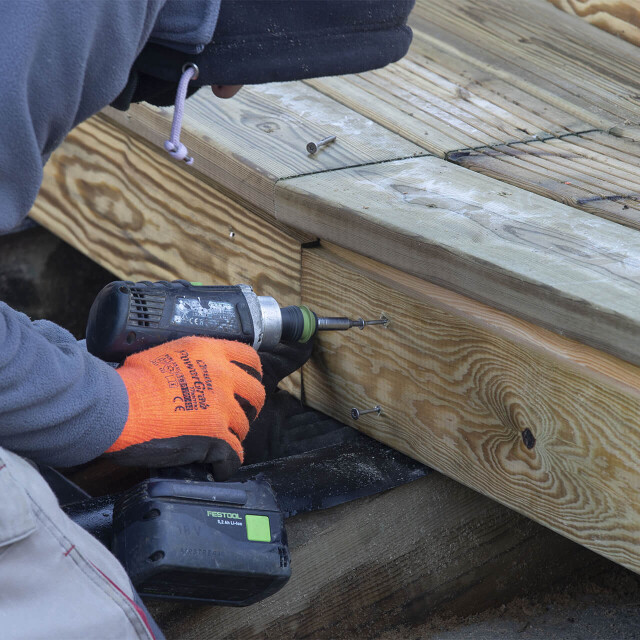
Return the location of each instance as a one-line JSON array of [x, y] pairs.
[[432, 546], [543, 424], [484, 73], [144, 218], [596, 172], [441, 103], [628, 132], [250, 142], [619, 17], [552, 55], [567, 270]]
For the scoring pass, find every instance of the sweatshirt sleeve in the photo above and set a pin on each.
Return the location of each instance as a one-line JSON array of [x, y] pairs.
[[59, 405], [62, 61]]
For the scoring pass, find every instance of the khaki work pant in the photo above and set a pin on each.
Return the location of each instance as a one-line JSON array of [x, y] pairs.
[[56, 580]]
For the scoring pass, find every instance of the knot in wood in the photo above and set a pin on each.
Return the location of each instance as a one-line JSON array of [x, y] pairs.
[[269, 127], [528, 438]]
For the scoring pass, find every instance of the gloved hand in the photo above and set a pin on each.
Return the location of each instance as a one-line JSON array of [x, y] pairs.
[[190, 400], [263, 441], [285, 426]]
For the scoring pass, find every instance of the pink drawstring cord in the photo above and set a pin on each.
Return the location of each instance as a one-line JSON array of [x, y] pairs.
[[175, 148]]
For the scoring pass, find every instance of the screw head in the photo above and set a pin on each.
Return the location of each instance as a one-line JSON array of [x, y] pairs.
[[312, 147], [355, 414]]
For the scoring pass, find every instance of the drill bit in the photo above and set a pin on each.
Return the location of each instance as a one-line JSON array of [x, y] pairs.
[[342, 324]]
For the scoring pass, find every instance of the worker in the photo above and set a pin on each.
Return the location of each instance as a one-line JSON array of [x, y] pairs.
[[62, 61]]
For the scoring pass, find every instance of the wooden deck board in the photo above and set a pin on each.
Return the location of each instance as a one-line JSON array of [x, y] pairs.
[[553, 55], [538, 422], [443, 102], [485, 73], [566, 270], [142, 217], [596, 172], [250, 142]]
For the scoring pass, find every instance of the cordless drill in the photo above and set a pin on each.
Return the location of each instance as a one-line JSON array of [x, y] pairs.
[[127, 317], [177, 534]]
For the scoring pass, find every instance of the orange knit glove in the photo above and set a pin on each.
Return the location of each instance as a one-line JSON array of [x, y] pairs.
[[190, 400]]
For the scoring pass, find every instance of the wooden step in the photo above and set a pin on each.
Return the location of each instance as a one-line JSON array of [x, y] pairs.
[[485, 72], [572, 272], [247, 144], [141, 216], [545, 425], [597, 172]]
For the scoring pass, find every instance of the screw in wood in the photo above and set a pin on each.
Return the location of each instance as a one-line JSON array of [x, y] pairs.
[[312, 147], [356, 413]]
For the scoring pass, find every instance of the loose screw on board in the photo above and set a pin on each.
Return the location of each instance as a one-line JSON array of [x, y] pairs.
[[356, 413], [312, 147]]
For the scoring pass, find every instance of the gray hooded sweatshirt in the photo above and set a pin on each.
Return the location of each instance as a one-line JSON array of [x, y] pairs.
[[62, 61]]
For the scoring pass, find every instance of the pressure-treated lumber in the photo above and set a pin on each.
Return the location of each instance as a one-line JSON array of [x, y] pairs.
[[545, 425], [567, 270], [398, 557], [554, 55], [442, 103], [143, 217], [247, 144], [494, 72], [596, 172], [620, 17]]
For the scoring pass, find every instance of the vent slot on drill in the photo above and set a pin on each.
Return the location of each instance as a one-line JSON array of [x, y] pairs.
[[145, 309]]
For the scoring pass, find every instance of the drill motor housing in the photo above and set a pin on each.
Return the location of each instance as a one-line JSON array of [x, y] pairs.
[[127, 317]]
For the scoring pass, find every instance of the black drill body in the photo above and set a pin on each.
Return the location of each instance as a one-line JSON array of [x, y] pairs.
[[127, 317]]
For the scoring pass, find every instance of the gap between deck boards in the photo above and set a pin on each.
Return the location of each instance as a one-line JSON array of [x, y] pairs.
[[449, 155]]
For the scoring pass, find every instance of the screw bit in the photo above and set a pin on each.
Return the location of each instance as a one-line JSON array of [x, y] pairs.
[[342, 324]]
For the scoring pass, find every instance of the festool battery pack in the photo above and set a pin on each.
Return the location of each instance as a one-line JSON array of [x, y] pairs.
[[223, 543]]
